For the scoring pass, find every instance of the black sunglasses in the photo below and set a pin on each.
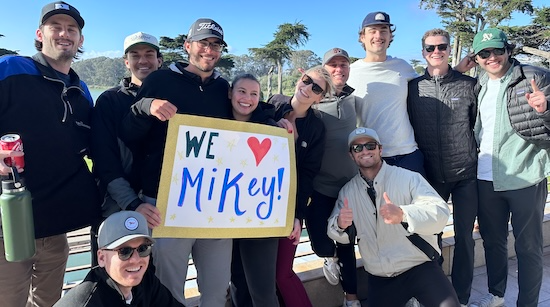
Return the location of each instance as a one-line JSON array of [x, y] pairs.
[[484, 54], [440, 47], [357, 148], [315, 88], [125, 253]]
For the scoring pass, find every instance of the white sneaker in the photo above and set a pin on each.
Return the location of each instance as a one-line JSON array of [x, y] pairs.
[[489, 300], [331, 270], [413, 302], [353, 303]]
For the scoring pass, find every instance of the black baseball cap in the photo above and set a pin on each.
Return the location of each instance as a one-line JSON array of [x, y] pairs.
[[60, 7], [205, 28]]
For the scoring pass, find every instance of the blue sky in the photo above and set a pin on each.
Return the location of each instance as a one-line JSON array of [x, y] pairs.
[[246, 23]]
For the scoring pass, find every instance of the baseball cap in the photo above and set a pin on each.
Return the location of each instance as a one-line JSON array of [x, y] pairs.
[[376, 18], [362, 132], [205, 28], [335, 52], [489, 38], [140, 38], [121, 227], [60, 7]]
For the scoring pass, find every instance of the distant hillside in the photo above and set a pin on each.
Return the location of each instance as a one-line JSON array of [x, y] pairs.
[[101, 71]]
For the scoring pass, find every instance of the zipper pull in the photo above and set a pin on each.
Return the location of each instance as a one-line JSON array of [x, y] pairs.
[[200, 87]]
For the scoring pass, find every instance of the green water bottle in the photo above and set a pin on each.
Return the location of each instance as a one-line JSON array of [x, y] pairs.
[[17, 219]]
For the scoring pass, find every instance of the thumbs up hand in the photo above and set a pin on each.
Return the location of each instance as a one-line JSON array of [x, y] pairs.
[[536, 99], [391, 213], [346, 215]]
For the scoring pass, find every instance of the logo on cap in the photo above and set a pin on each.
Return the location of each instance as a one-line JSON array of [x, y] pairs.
[[380, 16], [131, 223], [209, 26], [62, 6], [336, 50], [487, 37]]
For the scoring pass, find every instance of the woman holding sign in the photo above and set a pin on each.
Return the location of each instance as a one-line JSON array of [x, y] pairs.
[[254, 259], [309, 133]]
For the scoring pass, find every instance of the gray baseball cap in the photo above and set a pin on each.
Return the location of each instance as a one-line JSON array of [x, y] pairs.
[[121, 227], [334, 52], [361, 132]]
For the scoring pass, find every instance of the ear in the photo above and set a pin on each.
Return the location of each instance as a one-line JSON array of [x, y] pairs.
[[39, 35], [187, 46], [81, 42], [101, 258], [229, 93], [159, 60], [127, 63]]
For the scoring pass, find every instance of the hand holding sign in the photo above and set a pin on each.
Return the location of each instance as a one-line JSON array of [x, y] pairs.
[[536, 99], [391, 213], [346, 215]]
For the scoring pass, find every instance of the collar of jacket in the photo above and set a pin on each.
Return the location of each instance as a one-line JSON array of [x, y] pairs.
[[128, 88], [47, 71], [179, 67], [102, 273], [446, 76]]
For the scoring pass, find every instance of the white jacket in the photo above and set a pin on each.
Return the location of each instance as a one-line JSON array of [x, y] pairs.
[[385, 249]]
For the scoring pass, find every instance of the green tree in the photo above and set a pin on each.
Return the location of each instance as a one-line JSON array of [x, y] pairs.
[[6, 51], [416, 65], [464, 18], [287, 38]]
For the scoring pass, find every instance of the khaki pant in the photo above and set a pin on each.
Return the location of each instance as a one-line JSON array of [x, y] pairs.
[[37, 281]]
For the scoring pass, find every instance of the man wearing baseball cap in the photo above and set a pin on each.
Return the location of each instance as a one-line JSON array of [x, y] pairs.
[[340, 119], [122, 278], [192, 87], [43, 100], [400, 216], [513, 134], [112, 159], [385, 104]]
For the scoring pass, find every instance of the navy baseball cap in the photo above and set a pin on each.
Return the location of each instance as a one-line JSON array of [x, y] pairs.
[[61, 7], [376, 18]]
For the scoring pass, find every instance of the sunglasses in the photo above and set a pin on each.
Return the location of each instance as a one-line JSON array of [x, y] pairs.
[[440, 47], [125, 253], [357, 148], [484, 54], [315, 87]]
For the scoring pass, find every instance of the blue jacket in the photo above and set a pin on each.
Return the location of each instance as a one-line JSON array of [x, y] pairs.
[[53, 121]]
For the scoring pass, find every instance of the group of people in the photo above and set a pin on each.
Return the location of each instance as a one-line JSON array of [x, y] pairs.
[[379, 152]]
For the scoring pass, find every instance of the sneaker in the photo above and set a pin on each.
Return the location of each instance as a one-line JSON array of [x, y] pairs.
[[353, 303], [331, 269], [489, 300], [413, 302]]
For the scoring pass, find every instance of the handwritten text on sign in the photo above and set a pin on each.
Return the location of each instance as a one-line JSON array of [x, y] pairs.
[[220, 179]]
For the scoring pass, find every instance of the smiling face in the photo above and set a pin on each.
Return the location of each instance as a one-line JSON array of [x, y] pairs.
[[437, 58], [338, 68], [304, 92], [496, 66], [126, 274], [60, 37], [202, 60], [367, 159], [245, 96], [376, 39], [142, 60]]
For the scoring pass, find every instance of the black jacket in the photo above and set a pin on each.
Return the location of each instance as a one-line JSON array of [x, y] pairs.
[[309, 149], [53, 121], [112, 159], [146, 135], [442, 110], [99, 290], [530, 125]]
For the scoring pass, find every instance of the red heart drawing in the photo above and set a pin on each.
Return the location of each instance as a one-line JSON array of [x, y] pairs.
[[259, 149]]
